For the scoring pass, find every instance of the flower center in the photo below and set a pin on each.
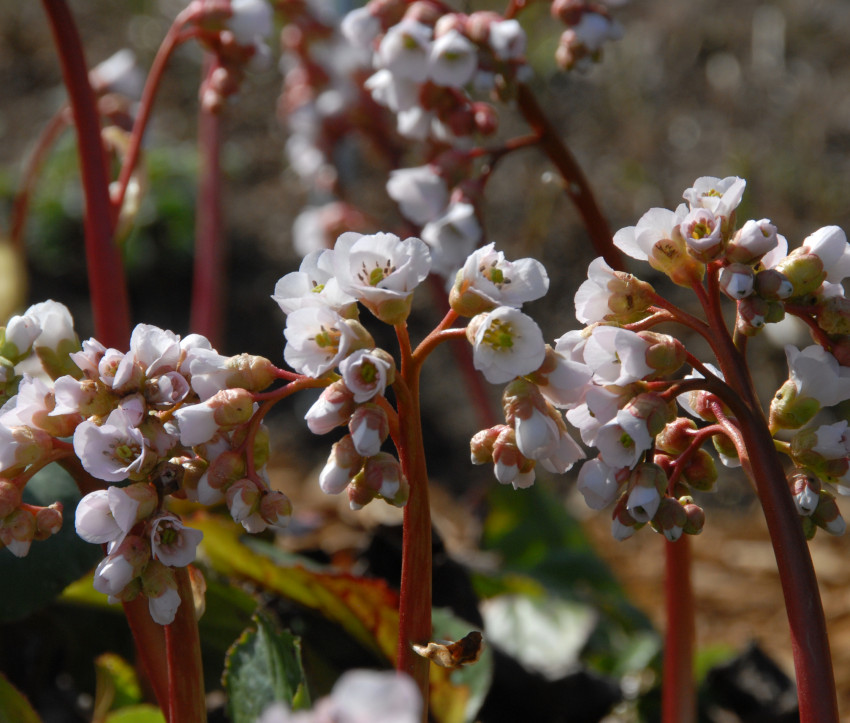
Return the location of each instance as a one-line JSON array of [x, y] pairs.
[[499, 335], [328, 339], [368, 373], [376, 275], [126, 452]]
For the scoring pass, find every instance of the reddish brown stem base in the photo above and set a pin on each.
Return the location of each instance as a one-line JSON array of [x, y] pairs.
[[678, 696]]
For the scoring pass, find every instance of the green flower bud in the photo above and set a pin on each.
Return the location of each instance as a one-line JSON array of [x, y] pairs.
[[787, 411]]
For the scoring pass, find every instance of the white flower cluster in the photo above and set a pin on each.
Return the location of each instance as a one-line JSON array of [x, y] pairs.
[[642, 443], [167, 417], [322, 334]]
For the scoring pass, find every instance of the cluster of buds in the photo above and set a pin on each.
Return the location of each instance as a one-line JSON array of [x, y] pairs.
[[753, 267], [589, 27], [170, 417], [235, 32]]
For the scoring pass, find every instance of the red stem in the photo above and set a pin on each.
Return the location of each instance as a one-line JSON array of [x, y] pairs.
[[678, 694], [186, 702], [110, 305], [208, 282], [577, 187], [414, 609]]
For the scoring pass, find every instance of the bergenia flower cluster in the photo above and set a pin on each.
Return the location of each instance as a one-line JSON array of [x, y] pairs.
[[168, 418], [650, 453]]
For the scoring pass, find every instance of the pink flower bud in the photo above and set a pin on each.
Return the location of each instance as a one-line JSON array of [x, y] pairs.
[[124, 563], [369, 428], [243, 499], [647, 483], [695, 518], [804, 270], [806, 489], [17, 532], [833, 315], [623, 525], [48, 521], [225, 470], [481, 444], [676, 436], [332, 409], [752, 241], [773, 284], [343, 463], [276, 509], [10, 498], [737, 281], [232, 407], [700, 472], [828, 516], [665, 354], [160, 587], [670, 520]]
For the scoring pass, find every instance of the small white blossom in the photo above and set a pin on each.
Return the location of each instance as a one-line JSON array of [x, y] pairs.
[[172, 543], [420, 192], [507, 39], [312, 285], [506, 344], [623, 440], [817, 374], [720, 196], [113, 451], [490, 276], [404, 50], [830, 245], [616, 356], [453, 60], [655, 225], [451, 238], [365, 374], [94, 520], [317, 340], [598, 483]]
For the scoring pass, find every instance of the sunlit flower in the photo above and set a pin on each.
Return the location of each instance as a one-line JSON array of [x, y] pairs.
[[506, 344]]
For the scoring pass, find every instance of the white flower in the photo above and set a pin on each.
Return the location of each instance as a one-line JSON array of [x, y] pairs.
[[404, 50], [832, 441], [507, 39], [537, 436], [451, 238], [89, 358], [119, 73], [594, 29], [251, 21], [381, 271], [317, 340], [720, 196], [360, 27], [600, 406], [598, 483], [391, 91], [655, 225], [419, 191], [163, 608], [113, 574], [156, 350], [829, 244], [591, 299], [94, 520], [565, 384], [643, 502], [113, 451], [757, 238], [622, 441], [365, 374], [312, 285], [817, 374], [172, 543], [506, 344], [490, 276], [616, 356], [565, 454], [701, 231], [56, 324], [21, 332], [369, 428], [453, 60]]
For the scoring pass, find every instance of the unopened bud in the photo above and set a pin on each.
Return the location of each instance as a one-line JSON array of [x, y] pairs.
[[671, 257], [700, 472], [828, 516], [752, 241], [630, 298], [670, 520], [250, 372], [737, 281], [343, 463], [226, 469], [772, 284], [833, 315], [653, 409], [752, 315], [623, 524], [276, 509], [647, 483], [10, 498], [481, 444], [48, 521], [369, 428], [695, 519], [676, 436], [243, 499], [806, 489], [231, 407], [17, 532], [665, 354], [804, 270], [787, 411]]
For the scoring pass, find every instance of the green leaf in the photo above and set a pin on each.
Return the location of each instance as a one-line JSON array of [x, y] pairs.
[[14, 707], [263, 666], [136, 714], [116, 683], [31, 582]]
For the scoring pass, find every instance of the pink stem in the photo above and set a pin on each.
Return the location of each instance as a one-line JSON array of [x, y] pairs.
[[678, 694], [110, 305]]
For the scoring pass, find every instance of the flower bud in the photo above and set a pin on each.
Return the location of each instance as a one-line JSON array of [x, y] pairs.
[[804, 270], [752, 241], [752, 315], [48, 521], [828, 516], [124, 563], [132, 503], [647, 483], [17, 531], [695, 518], [671, 257], [481, 444], [726, 449], [700, 472], [833, 315], [276, 509], [250, 372], [343, 463], [665, 354], [332, 409], [369, 428], [231, 407], [787, 411], [159, 585], [737, 281], [676, 436], [10, 498], [623, 525], [509, 464], [806, 489], [599, 484], [773, 285], [243, 499], [226, 469], [383, 474], [653, 409], [670, 520]]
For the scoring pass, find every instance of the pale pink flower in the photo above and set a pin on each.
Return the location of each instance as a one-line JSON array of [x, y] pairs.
[[312, 285], [360, 27], [565, 454], [830, 245], [507, 39], [365, 374], [817, 374], [655, 225], [20, 333], [598, 483], [616, 356], [702, 232], [57, 326], [537, 435], [317, 340], [404, 50], [452, 60], [172, 543], [622, 441], [720, 196], [163, 607], [332, 409], [94, 520], [499, 282], [113, 451]]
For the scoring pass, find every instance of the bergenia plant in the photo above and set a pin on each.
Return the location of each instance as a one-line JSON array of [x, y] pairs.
[[152, 425]]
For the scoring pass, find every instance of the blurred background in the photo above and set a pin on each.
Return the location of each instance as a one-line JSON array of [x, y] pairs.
[[755, 89]]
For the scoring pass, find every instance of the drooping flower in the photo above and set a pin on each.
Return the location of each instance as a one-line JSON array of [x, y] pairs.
[[404, 50], [172, 543], [598, 483], [452, 60], [366, 373]]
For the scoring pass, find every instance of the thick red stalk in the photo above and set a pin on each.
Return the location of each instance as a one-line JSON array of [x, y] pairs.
[[208, 282], [186, 702], [414, 610], [110, 305], [678, 695]]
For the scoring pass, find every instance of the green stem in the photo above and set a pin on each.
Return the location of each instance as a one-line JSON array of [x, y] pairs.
[[110, 305]]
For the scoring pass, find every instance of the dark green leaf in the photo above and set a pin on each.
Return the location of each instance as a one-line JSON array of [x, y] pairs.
[[14, 708]]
